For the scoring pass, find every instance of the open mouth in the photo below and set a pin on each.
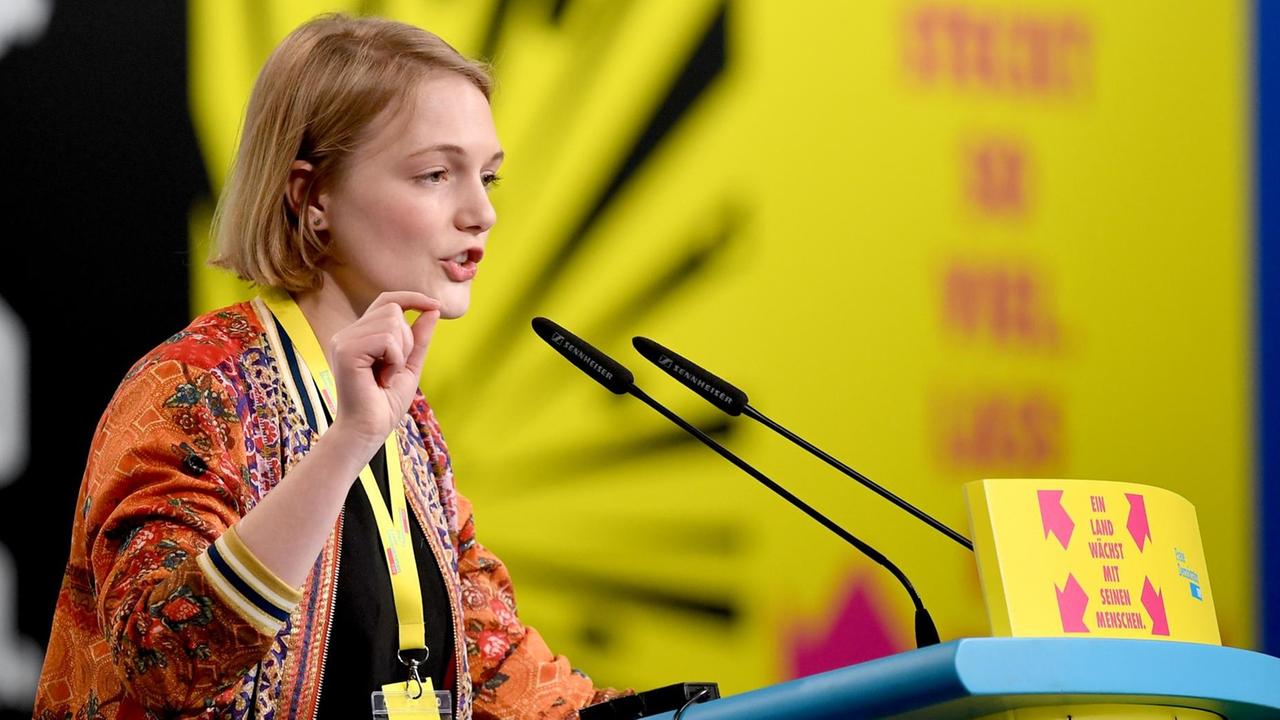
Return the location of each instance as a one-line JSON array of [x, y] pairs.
[[462, 267]]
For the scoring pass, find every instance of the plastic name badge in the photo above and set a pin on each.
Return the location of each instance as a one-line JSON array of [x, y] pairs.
[[398, 702]]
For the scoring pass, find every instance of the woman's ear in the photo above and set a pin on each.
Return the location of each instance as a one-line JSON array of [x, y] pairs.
[[301, 188]]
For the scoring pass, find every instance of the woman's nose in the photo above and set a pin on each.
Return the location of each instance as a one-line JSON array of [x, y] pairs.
[[476, 214]]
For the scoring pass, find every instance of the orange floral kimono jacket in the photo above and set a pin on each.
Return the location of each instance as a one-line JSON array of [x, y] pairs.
[[162, 613]]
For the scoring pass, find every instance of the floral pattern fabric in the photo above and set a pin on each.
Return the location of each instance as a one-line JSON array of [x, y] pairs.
[[200, 430]]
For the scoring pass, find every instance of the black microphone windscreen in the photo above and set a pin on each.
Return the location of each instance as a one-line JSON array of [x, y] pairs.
[[715, 390], [604, 369]]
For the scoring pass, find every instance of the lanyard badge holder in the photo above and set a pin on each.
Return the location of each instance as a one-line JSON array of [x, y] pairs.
[[399, 705], [412, 700], [415, 698]]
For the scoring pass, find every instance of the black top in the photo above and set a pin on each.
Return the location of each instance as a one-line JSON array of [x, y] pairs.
[[364, 636]]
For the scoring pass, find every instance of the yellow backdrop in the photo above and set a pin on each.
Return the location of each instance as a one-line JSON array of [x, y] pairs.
[[942, 240]]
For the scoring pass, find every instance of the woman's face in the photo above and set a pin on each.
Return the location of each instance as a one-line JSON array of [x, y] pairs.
[[411, 209]]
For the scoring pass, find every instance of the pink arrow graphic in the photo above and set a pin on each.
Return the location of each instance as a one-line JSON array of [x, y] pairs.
[[1071, 604], [1137, 522], [1053, 517], [1154, 603]]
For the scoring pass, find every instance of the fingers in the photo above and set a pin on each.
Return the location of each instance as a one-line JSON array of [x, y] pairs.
[[415, 339], [405, 299], [386, 317], [392, 357], [382, 343], [423, 329], [406, 338], [363, 349]]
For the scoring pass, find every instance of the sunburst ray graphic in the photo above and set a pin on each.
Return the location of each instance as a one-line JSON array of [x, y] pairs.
[[596, 118], [767, 189]]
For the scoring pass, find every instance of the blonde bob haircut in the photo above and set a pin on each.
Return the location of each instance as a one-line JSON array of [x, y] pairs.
[[319, 91]]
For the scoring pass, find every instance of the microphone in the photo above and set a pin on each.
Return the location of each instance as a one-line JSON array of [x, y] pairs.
[[619, 380], [730, 399], [603, 369]]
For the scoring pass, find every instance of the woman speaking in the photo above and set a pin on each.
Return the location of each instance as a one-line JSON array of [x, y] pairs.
[[268, 525]]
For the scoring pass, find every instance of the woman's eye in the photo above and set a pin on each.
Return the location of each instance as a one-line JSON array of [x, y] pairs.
[[490, 180], [434, 177]]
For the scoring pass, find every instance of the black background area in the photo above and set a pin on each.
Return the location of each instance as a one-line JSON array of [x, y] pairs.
[[101, 169]]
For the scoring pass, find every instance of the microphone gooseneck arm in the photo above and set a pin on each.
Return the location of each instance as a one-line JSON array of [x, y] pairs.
[[730, 399], [617, 379], [870, 484], [926, 631]]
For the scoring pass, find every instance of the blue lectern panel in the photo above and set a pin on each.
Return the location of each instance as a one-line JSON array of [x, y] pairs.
[[979, 676]]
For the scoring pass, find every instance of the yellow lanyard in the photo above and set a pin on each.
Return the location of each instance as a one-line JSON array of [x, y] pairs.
[[395, 536]]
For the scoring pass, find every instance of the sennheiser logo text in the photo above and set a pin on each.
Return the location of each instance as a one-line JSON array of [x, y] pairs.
[[558, 339], [701, 384]]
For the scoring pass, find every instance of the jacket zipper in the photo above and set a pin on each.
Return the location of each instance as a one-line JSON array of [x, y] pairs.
[[454, 615], [328, 628]]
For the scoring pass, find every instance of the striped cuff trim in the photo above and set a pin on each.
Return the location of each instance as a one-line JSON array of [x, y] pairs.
[[247, 566], [256, 594]]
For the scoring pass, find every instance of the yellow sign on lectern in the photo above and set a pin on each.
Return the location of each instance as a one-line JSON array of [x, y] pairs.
[[1088, 558]]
